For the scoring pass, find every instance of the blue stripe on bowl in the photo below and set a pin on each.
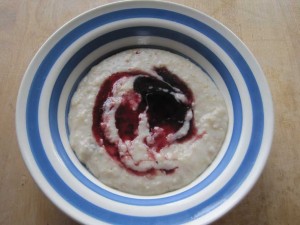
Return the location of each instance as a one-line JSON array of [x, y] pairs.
[[115, 218], [147, 31]]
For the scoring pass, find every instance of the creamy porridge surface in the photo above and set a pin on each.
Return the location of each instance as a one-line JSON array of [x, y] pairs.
[[147, 121]]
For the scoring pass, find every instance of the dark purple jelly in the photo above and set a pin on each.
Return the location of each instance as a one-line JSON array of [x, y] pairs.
[[156, 96]]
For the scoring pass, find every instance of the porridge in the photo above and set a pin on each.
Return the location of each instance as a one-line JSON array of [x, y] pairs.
[[147, 121]]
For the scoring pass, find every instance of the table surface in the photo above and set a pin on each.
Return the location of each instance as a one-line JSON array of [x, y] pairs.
[[270, 28]]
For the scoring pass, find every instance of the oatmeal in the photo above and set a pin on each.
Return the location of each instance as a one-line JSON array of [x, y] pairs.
[[147, 121]]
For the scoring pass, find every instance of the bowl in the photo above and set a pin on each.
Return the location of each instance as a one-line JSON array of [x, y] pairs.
[[53, 76]]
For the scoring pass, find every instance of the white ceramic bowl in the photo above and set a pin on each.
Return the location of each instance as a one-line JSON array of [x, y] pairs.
[[57, 68]]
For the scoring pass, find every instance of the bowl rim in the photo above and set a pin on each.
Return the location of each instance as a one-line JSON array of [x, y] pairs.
[[267, 141]]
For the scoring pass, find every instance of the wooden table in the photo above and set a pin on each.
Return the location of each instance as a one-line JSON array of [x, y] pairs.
[[270, 28]]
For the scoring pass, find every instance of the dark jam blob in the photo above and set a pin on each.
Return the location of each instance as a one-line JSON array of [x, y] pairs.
[[163, 109], [165, 113], [174, 81]]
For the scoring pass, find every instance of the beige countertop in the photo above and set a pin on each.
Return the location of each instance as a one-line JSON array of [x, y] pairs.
[[270, 28]]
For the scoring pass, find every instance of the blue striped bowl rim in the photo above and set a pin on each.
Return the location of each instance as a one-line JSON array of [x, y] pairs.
[[32, 130]]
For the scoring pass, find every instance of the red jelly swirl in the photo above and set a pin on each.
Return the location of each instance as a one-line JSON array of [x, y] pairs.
[[162, 103]]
